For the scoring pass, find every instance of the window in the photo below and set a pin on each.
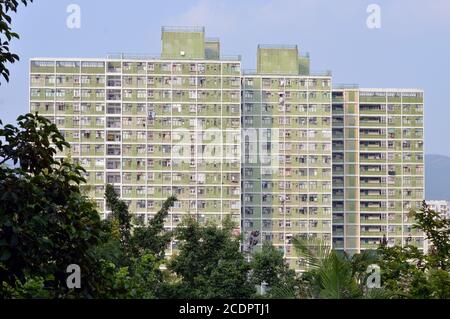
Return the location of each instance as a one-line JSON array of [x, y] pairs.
[[35, 92], [165, 67], [99, 94], [99, 107], [192, 94], [50, 92], [100, 162], [141, 94]]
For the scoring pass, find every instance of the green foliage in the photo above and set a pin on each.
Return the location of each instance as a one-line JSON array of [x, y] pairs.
[[334, 275], [120, 215], [335, 280], [140, 280], [409, 273], [313, 251], [268, 266], [29, 145], [45, 222], [330, 274], [6, 34], [400, 267], [440, 284], [360, 262], [135, 252], [209, 263], [406, 272], [31, 288], [128, 240], [153, 238], [437, 231]]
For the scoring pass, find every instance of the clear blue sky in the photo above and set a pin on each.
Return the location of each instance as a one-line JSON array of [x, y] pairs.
[[411, 49]]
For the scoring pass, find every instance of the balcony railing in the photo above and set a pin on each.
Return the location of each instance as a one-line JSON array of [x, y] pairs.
[[311, 74], [146, 57]]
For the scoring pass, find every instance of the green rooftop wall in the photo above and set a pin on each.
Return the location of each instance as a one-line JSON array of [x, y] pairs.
[[183, 43], [212, 49], [278, 60], [303, 65]]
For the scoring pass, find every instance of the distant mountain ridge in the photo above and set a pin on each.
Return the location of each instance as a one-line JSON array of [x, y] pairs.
[[437, 177]]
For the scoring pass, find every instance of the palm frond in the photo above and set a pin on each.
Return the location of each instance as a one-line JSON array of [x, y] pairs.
[[378, 293], [282, 292], [336, 278], [312, 250]]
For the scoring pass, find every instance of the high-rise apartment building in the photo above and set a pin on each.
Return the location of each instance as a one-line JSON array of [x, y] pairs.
[[286, 166], [152, 126], [278, 149], [378, 167]]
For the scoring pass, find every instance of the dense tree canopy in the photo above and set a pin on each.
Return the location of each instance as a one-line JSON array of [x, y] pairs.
[[209, 263], [409, 273], [46, 224], [269, 269]]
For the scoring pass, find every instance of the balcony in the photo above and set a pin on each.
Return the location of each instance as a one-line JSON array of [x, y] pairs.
[[372, 109], [95, 67]]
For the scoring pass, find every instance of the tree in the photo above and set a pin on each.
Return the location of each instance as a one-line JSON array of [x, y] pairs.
[[333, 275], [46, 224], [329, 274], [440, 284], [128, 239], [269, 267], [437, 231], [403, 271], [209, 263], [408, 272], [360, 263], [135, 252], [32, 288], [119, 210], [6, 34], [153, 238], [141, 279]]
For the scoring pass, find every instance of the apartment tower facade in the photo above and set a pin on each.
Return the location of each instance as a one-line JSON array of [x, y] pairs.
[[378, 167], [152, 126], [286, 166]]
